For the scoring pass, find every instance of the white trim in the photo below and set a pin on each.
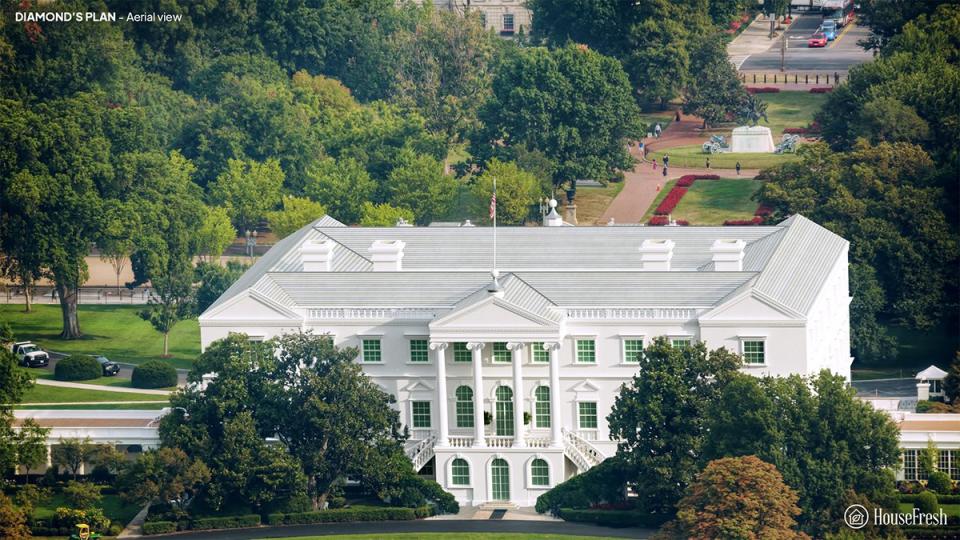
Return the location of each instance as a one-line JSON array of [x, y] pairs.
[[410, 340], [411, 400], [761, 339], [470, 472], [362, 359], [577, 416], [576, 356], [528, 472], [623, 347]]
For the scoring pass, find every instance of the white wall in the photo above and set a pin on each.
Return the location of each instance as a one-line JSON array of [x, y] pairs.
[[480, 491]]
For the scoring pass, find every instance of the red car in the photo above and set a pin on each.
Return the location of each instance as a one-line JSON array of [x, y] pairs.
[[817, 40]]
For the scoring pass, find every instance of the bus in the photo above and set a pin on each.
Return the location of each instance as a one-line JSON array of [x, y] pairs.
[[839, 11]]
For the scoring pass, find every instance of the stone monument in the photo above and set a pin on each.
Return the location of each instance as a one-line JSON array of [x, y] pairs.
[[751, 139]]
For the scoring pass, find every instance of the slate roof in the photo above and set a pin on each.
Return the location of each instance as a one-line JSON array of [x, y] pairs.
[[545, 269]]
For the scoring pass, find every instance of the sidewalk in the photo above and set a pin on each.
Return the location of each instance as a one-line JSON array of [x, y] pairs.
[[753, 40], [102, 388]]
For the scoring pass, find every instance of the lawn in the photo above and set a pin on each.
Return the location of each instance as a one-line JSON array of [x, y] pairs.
[[658, 199], [693, 156], [115, 381], [790, 109], [132, 406], [592, 202], [649, 120], [450, 536], [56, 394], [114, 331], [915, 351], [948, 509], [113, 507], [711, 202]]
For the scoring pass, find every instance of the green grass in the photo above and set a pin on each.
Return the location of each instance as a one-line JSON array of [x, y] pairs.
[[115, 381], [649, 120], [592, 202], [112, 505], [711, 202], [56, 394], [114, 331], [658, 199], [693, 156], [869, 374], [790, 109], [948, 509], [132, 406], [915, 351], [450, 536]]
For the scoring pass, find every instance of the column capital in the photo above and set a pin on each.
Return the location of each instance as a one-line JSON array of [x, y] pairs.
[[551, 345], [514, 345], [438, 345], [475, 345]]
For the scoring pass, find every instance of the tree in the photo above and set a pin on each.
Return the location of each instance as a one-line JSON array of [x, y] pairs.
[[13, 520], [296, 213], [82, 495], [14, 382], [72, 454], [383, 215], [418, 183], [740, 497], [166, 474], [170, 301], [213, 280], [951, 384], [658, 418], [886, 19], [888, 119], [31, 444], [715, 92], [573, 104], [517, 191], [120, 227], [928, 458], [342, 186], [248, 190], [215, 234]]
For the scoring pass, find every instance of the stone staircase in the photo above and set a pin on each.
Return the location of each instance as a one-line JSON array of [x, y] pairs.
[[583, 454], [422, 452]]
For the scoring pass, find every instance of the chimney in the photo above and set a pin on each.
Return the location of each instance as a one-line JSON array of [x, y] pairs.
[[656, 254], [317, 255], [728, 255], [387, 255]]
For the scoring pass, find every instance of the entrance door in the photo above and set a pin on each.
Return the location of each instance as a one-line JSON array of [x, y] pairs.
[[504, 412], [500, 474]]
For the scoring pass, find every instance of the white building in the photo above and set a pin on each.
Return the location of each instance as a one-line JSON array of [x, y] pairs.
[[553, 339], [505, 17]]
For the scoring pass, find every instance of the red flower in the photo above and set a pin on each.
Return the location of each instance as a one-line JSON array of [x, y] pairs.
[[821, 90], [670, 201], [659, 220]]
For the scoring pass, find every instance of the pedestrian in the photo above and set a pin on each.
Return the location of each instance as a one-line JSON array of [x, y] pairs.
[[666, 160], [738, 168], [654, 163], [664, 170], [658, 187], [708, 163], [678, 115], [656, 130]]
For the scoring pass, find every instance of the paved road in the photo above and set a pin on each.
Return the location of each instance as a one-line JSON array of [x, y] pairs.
[[383, 529], [840, 55]]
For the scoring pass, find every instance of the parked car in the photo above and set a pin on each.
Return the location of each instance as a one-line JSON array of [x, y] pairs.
[[29, 355], [817, 40], [829, 29], [110, 368]]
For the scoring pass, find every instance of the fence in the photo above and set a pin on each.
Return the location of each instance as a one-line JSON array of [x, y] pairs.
[[85, 295], [791, 78]]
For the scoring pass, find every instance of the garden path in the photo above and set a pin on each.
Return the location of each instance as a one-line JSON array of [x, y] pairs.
[[102, 388]]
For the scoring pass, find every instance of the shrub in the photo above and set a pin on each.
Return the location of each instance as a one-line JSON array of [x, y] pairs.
[[755, 221], [159, 527], [416, 491], [154, 374], [763, 90], [821, 90], [659, 220], [686, 180], [939, 482], [68, 518], [763, 211], [79, 367], [227, 522], [342, 515], [601, 484], [927, 502], [613, 518], [795, 131], [670, 202], [936, 407], [82, 494]]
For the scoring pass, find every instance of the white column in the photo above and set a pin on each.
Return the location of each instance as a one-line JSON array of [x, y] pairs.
[[442, 401], [556, 437], [519, 441], [479, 438]]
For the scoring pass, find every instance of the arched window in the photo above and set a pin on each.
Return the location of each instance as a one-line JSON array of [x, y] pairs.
[[542, 407], [504, 416], [464, 407], [460, 472], [539, 472], [500, 480]]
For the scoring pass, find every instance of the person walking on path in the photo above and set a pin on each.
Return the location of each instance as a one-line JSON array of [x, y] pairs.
[[678, 115], [666, 161], [656, 130], [654, 163], [664, 171], [738, 168], [708, 163]]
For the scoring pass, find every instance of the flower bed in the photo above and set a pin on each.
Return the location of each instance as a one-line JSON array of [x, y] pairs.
[[670, 201], [687, 180], [794, 131], [764, 90], [763, 211], [659, 220], [755, 221], [821, 89]]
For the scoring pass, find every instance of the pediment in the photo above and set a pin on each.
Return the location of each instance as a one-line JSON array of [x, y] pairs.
[[585, 386], [492, 312], [253, 306], [750, 306], [417, 386]]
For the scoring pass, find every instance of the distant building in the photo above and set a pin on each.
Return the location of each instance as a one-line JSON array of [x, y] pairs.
[[506, 383], [506, 17]]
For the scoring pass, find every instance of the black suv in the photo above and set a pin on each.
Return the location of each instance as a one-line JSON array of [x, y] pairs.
[[109, 368]]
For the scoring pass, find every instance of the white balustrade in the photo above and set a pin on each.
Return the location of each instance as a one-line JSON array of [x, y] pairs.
[[460, 442], [420, 434], [499, 442]]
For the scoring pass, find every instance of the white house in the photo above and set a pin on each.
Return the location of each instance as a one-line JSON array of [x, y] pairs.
[[552, 339]]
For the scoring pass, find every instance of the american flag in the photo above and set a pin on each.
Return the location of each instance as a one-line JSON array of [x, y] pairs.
[[493, 205]]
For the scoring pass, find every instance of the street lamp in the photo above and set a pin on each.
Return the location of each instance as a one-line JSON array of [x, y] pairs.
[[251, 242]]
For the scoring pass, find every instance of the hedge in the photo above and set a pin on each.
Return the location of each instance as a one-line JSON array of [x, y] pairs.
[[358, 513], [763, 90], [945, 532], [669, 203], [153, 374], [79, 367], [159, 527], [613, 518], [228, 522], [757, 220], [821, 90], [942, 499]]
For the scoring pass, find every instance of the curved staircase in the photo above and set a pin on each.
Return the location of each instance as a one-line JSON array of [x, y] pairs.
[[583, 454]]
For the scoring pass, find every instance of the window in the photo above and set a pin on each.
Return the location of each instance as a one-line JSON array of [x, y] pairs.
[[754, 352], [910, 469], [421, 414], [588, 414], [632, 349], [680, 342], [504, 409], [371, 351], [483, 19], [586, 351], [508, 23], [460, 472], [538, 354], [947, 462], [500, 352], [541, 417], [419, 351], [461, 353], [464, 407], [539, 472]]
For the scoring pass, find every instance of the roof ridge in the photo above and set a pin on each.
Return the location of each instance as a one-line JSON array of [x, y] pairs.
[[545, 297], [339, 243]]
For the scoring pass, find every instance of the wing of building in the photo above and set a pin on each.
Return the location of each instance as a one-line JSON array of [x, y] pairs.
[[506, 384]]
